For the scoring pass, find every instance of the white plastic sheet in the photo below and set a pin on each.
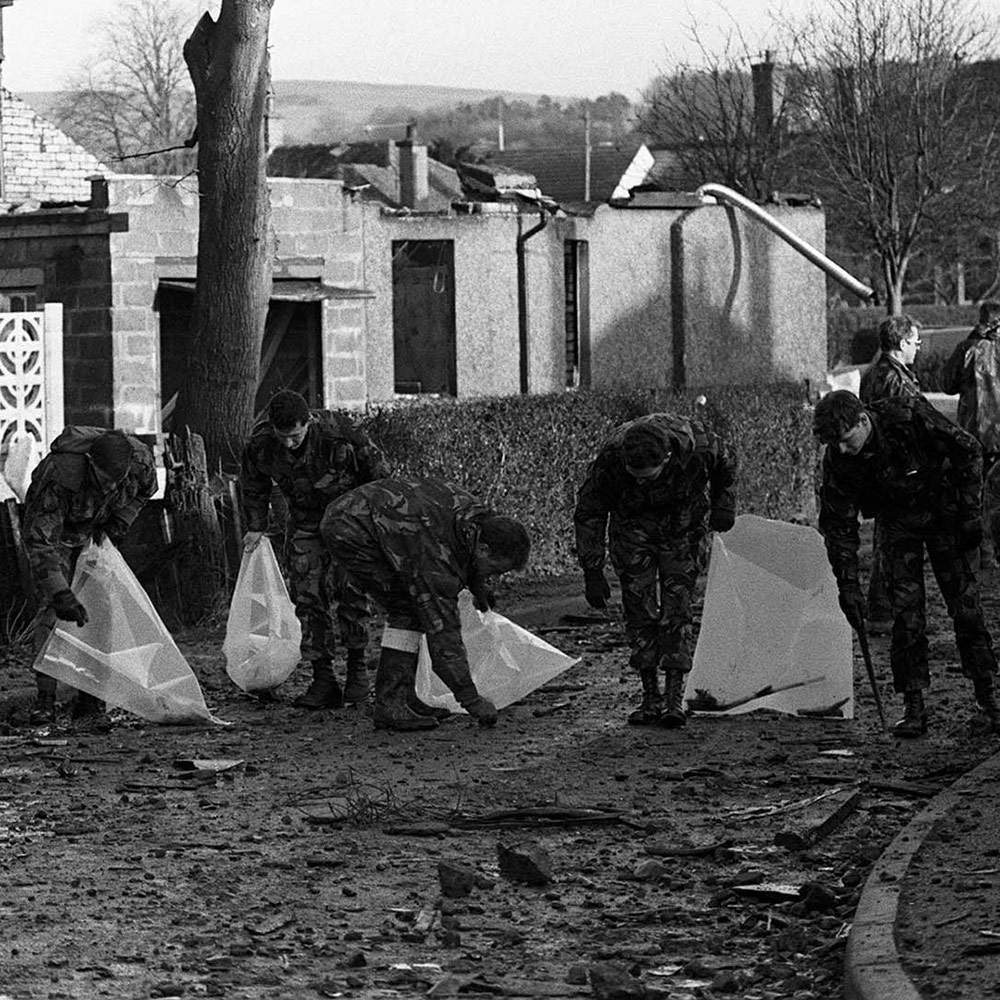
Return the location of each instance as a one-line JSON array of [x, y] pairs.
[[263, 635], [124, 654], [507, 662], [23, 455], [771, 621]]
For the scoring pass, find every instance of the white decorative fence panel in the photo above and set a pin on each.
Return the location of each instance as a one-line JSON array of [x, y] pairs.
[[31, 377]]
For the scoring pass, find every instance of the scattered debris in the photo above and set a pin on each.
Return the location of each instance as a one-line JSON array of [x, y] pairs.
[[459, 879], [526, 862], [820, 822], [544, 816], [613, 982]]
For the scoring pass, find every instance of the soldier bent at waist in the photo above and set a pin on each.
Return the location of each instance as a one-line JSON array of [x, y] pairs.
[[903, 462], [649, 493], [92, 484], [313, 457], [412, 545]]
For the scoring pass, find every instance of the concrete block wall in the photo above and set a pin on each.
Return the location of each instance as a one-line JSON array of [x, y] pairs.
[[75, 270], [318, 235], [39, 161]]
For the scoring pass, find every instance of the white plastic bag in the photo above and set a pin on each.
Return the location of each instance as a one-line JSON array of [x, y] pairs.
[[22, 456], [772, 633], [507, 662], [124, 654], [263, 635]]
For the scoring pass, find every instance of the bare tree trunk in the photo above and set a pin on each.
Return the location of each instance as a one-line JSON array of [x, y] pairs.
[[228, 63]]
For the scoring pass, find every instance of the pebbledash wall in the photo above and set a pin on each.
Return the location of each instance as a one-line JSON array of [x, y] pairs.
[[698, 296]]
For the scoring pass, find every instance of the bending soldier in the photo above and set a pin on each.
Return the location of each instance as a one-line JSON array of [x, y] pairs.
[[412, 545], [648, 495], [92, 484], [313, 458], [903, 462]]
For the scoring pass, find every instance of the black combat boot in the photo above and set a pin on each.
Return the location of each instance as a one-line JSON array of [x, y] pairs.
[[987, 699], [86, 706], [673, 715], [422, 708], [356, 688], [324, 690], [651, 707], [397, 670], [914, 720], [44, 709]]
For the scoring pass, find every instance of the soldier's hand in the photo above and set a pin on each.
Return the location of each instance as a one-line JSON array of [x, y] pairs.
[[852, 603], [970, 533], [595, 588], [721, 520], [483, 598], [68, 608], [251, 540]]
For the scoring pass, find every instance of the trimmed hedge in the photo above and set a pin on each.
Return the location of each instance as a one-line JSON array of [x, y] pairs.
[[527, 455]]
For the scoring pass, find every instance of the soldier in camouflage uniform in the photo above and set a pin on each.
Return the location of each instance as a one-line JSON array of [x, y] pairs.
[[92, 484], [313, 457], [973, 371], [412, 545], [650, 491], [890, 375], [919, 473]]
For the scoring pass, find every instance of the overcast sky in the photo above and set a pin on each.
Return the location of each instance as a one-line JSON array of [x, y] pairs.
[[561, 47]]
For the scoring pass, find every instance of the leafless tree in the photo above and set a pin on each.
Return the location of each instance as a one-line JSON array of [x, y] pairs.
[[228, 62], [897, 137], [133, 96], [705, 112]]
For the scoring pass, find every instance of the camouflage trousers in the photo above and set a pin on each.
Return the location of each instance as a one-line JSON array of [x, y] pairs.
[[308, 563], [359, 571], [956, 573], [879, 586], [657, 580], [991, 501]]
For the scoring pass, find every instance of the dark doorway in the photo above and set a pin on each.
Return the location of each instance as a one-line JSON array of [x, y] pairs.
[[576, 274], [290, 356], [423, 316]]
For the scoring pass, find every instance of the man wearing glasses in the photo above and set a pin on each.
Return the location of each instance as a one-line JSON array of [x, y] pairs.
[[890, 375]]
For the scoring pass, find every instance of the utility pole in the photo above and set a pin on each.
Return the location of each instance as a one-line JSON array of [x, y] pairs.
[[586, 151], [3, 185], [500, 138]]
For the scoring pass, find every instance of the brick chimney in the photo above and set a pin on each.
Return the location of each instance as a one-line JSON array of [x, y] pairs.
[[413, 183], [768, 93]]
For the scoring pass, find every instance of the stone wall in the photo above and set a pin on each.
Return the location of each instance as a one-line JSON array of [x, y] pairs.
[[39, 162]]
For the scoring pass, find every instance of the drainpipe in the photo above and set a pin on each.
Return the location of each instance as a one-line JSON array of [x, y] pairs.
[[713, 193], [522, 298]]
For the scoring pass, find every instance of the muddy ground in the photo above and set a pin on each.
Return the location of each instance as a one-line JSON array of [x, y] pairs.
[[312, 868]]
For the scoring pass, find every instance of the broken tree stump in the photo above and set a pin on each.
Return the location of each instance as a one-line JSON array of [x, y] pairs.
[[820, 819]]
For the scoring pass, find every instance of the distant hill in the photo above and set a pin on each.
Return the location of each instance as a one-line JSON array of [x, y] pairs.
[[318, 110]]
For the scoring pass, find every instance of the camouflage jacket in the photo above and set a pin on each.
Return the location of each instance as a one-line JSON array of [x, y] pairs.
[[973, 371], [918, 471], [888, 377], [334, 458], [70, 499], [699, 477], [421, 533]]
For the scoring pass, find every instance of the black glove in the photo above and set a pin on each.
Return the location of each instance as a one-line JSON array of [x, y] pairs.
[[113, 535], [970, 533], [852, 603], [483, 598], [595, 588], [721, 520], [68, 608]]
